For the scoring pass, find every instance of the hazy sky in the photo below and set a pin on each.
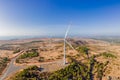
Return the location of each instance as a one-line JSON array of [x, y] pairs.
[[51, 17]]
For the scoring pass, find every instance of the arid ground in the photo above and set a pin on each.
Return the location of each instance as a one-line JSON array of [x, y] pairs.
[[51, 49]]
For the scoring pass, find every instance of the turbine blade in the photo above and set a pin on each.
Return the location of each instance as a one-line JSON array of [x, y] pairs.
[[71, 46], [67, 31]]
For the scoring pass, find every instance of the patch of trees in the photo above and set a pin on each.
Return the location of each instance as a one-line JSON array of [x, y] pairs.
[[83, 50], [81, 71], [27, 74], [29, 54], [89, 69], [108, 55], [30, 73], [3, 63], [16, 51]]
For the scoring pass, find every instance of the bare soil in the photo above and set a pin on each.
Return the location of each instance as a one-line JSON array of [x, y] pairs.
[[52, 50]]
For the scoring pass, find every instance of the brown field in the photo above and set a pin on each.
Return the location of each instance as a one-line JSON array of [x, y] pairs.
[[52, 50]]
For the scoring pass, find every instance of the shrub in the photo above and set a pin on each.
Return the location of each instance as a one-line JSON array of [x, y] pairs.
[[5, 59], [3, 63], [16, 51], [41, 59], [83, 49], [74, 71], [29, 55], [27, 74], [17, 60], [108, 55]]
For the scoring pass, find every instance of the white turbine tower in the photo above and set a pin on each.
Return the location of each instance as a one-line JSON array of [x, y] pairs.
[[64, 59]]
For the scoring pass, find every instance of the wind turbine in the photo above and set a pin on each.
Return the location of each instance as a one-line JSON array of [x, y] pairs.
[[64, 58]]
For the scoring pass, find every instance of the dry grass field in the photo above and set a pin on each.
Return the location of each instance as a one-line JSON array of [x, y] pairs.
[[52, 50]]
